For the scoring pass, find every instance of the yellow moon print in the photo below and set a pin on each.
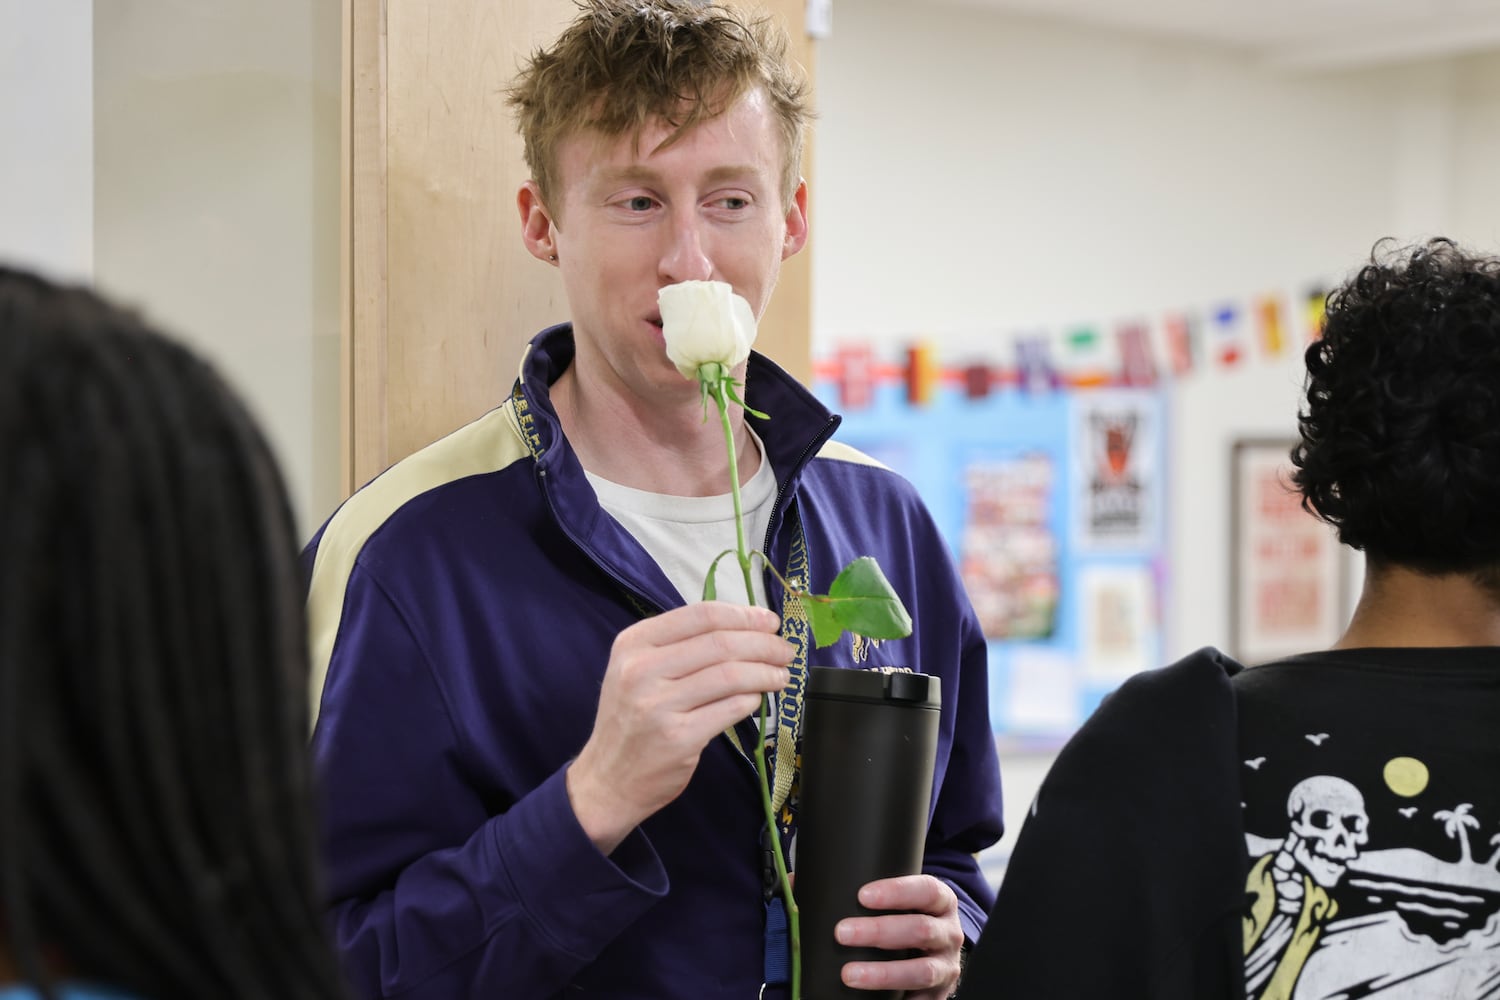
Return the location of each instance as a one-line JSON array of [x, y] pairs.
[[1406, 776]]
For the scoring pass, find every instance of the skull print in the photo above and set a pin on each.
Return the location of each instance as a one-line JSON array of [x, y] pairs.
[[1330, 825]]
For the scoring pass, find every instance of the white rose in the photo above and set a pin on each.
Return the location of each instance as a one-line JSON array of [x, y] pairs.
[[705, 322]]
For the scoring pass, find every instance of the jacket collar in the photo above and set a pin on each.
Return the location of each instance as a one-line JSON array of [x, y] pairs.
[[798, 426]]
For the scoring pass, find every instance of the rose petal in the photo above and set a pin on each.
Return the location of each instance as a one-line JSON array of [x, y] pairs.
[[703, 322]]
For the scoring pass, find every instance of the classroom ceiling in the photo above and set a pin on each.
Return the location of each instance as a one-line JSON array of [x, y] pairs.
[[1296, 34]]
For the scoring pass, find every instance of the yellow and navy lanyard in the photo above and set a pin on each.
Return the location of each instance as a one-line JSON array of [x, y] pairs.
[[785, 762]]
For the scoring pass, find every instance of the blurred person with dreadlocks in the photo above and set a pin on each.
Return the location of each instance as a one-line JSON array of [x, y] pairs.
[[1301, 828], [156, 830], [521, 735]]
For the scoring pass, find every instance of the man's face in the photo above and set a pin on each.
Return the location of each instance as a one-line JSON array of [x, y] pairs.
[[630, 219]]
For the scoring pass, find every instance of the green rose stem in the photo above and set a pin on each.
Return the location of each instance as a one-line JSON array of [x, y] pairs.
[[741, 552], [713, 377]]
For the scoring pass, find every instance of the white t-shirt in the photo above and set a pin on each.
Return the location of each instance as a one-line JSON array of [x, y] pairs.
[[684, 534]]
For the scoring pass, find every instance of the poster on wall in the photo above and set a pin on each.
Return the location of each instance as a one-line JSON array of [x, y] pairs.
[[1287, 582], [1008, 554], [1118, 617], [1118, 491]]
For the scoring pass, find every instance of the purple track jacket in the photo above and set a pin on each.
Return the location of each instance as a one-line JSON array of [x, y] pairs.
[[463, 605]]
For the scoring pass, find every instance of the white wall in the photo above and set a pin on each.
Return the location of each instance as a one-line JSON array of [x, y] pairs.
[[186, 157], [978, 174], [217, 186], [47, 136], [985, 171], [1476, 150]]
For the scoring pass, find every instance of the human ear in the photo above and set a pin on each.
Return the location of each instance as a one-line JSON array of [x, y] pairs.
[[538, 231], [796, 221]]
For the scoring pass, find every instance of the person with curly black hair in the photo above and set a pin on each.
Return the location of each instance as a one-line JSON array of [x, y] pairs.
[[1400, 446], [156, 816], [1309, 827]]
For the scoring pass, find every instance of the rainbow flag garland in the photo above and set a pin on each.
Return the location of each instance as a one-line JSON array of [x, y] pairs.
[[1080, 357]]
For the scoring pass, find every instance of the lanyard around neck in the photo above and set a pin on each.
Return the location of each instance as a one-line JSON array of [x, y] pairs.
[[796, 629]]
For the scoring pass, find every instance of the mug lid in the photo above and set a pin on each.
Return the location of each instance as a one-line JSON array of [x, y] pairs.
[[917, 690]]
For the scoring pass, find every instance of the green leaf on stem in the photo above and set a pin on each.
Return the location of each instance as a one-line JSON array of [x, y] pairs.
[[825, 627], [704, 392], [710, 587], [729, 389], [861, 601]]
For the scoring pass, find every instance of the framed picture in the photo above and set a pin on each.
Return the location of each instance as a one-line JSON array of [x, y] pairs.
[[1287, 569]]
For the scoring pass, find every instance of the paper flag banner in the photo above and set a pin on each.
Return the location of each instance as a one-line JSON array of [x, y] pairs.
[[1084, 357], [921, 374], [1227, 345], [1268, 319], [1182, 342], [976, 381], [1317, 310], [856, 376], [1137, 365], [1034, 370], [1082, 341]]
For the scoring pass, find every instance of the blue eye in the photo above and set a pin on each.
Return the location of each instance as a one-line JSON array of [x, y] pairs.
[[640, 203]]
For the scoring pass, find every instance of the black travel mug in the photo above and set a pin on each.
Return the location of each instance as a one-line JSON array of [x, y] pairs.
[[869, 744]]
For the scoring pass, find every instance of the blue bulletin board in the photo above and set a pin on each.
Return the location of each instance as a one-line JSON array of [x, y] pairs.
[[1052, 505]]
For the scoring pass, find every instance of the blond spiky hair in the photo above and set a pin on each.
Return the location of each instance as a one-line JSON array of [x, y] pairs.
[[623, 64]]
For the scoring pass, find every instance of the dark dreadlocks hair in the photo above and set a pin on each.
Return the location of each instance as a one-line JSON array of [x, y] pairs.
[[1400, 445], [156, 827]]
